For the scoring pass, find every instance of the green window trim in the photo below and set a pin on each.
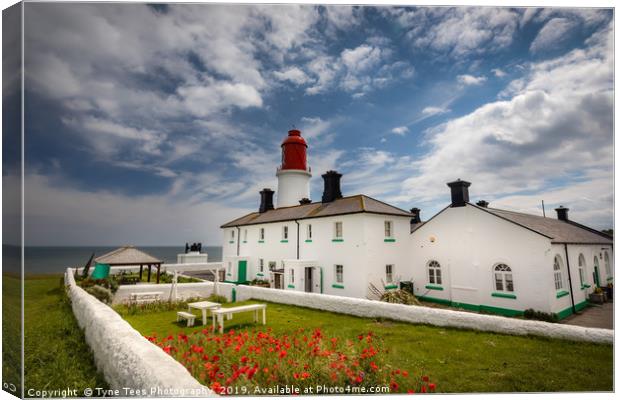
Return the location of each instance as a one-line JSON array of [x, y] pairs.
[[245, 241], [291, 286], [308, 240], [337, 240], [561, 293], [259, 274], [231, 241], [284, 241], [392, 286], [504, 295], [611, 278], [337, 286], [584, 286], [434, 287], [389, 240], [261, 241], [473, 307]]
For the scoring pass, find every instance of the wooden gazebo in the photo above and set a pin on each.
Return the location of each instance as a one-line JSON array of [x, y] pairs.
[[129, 256]]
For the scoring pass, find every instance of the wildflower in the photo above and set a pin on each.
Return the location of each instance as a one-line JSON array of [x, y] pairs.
[[394, 386], [305, 375], [425, 378], [431, 386], [282, 354], [423, 389], [374, 366], [405, 373], [296, 375], [411, 391], [244, 359]]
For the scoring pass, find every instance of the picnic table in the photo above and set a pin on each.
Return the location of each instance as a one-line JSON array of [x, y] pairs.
[[228, 312], [203, 306]]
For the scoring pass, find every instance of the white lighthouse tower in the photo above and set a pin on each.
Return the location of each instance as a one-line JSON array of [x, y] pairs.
[[294, 174]]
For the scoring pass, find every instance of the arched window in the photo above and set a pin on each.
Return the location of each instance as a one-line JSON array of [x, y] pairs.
[[557, 272], [434, 272], [607, 266], [503, 278], [582, 270]]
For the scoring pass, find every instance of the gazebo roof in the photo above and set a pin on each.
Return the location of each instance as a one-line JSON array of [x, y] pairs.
[[127, 255]]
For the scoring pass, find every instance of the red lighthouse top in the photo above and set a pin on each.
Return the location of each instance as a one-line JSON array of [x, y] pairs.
[[294, 151]]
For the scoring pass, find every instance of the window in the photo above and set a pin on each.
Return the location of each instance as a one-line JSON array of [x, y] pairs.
[[338, 230], [388, 229], [339, 270], [607, 266], [582, 270], [285, 233], [261, 234], [309, 232], [272, 265], [245, 235], [557, 273], [229, 268], [389, 273], [434, 272], [261, 264], [503, 278], [232, 235], [292, 276]]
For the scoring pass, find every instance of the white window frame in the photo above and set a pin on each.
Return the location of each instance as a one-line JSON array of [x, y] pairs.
[[339, 277], [338, 230], [434, 275], [285, 232], [607, 262], [582, 270], [261, 264], [232, 234], [389, 276], [245, 235], [261, 234], [502, 274], [229, 268], [309, 232], [292, 276], [558, 272], [388, 229]]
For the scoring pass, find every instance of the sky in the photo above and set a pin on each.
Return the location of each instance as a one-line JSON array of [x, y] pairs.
[[153, 125]]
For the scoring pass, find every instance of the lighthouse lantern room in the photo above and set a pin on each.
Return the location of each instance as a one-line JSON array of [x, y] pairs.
[[294, 174]]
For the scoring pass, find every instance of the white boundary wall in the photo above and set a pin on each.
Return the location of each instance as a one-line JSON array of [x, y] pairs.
[[183, 290], [124, 356], [425, 315]]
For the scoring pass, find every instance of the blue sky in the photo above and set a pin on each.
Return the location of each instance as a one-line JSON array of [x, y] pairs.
[[155, 125]]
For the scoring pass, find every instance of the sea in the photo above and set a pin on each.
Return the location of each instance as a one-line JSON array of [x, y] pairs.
[[56, 259]]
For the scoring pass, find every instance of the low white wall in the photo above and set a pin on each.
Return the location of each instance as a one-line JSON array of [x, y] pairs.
[[124, 356], [425, 315], [184, 290]]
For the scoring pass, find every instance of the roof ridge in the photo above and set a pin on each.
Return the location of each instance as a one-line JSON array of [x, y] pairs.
[[387, 204]]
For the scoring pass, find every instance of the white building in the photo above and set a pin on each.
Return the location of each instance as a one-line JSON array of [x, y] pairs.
[[467, 255]]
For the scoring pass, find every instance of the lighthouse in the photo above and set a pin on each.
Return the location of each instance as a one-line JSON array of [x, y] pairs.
[[294, 174]]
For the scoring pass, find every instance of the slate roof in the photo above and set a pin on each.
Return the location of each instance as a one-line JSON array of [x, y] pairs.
[[127, 255], [346, 205], [558, 231]]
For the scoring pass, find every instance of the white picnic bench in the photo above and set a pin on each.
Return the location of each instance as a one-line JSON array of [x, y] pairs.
[[203, 306], [187, 316], [228, 312], [144, 297]]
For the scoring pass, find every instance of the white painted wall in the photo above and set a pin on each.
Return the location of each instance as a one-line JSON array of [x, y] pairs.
[[124, 356], [184, 290], [192, 257], [293, 185]]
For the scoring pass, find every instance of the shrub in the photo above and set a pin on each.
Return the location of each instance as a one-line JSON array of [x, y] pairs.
[[530, 313], [101, 293], [244, 362], [216, 298], [399, 296]]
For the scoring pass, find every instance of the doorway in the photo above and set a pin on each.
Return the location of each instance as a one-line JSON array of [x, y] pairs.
[[242, 271], [308, 283]]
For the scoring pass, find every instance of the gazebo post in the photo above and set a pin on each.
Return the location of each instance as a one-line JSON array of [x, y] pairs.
[[158, 267], [141, 272], [149, 274]]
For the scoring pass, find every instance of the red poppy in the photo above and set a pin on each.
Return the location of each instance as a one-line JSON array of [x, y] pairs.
[[425, 378], [431, 386]]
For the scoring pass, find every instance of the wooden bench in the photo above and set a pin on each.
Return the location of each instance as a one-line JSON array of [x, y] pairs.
[[186, 315], [228, 312], [144, 297]]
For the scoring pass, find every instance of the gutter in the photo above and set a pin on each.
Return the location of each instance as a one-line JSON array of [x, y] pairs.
[[297, 222], [570, 281]]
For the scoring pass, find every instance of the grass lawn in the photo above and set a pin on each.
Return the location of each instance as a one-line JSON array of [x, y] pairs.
[[56, 354], [11, 332], [457, 360]]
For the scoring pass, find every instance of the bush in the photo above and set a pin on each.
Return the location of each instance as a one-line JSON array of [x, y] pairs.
[[101, 293], [216, 298], [530, 313], [399, 296]]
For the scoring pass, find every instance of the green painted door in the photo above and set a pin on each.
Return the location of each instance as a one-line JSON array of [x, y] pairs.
[[241, 273], [596, 277]]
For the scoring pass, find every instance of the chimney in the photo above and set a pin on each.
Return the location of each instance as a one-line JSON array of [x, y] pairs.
[[460, 192], [305, 200], [416, 216], [331, 191], [562, 213], [482, 203], [266, 200]]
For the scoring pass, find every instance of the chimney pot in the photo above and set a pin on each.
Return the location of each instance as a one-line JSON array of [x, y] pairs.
[[459, 191], [482, 203], [266, 200], [562, 213], [331, 189], [416, 216]]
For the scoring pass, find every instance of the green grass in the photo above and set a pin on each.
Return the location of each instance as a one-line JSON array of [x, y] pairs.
[[457, 360], [56, 353], [11, 332]]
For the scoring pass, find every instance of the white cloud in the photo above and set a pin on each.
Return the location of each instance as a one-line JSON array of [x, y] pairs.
[[430, 110], [342, 18], [498, 72], [400, 130], [554, 33], [470, 80], [292, 74]]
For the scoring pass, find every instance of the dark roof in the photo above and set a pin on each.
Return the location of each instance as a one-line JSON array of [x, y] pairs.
[[346, 205], [127, 255], [556, 230]]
